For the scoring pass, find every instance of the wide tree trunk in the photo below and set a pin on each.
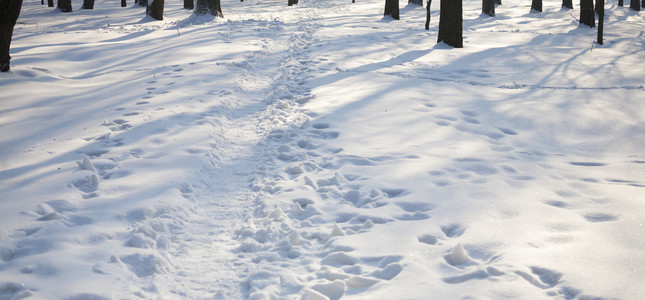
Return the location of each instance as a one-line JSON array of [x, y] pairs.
[[189, 4], [567, 3], [451, 23], [587, 14], [50, 3], [488, 7], [124, 3], [155, 9], [65, 5], [600, 8], [392, 9], [635, 5], [212, 7], [9, 12], [88, 4], [428, 14], [536, 5]]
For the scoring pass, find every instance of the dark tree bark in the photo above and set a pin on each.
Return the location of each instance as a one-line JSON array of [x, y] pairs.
[[600, 8], [597, 7], [620, 2], [143, 3], [643, 3], [428, 14], [155, 9], [392, 9], [212, 7], [50, 3], [189, 4], [498, 2], [488, 7], [292, 2], [536, 5], [587, 14], [42, 2], [9, 12], [88, 4], [635, 5], [451, 23], [65, 5], [567, 3], [417, 2], [124, 3]]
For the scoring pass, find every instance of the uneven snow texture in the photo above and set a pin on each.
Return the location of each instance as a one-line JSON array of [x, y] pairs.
[[321, 151]]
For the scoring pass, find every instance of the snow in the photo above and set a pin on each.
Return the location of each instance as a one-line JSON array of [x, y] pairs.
[[321, 151]]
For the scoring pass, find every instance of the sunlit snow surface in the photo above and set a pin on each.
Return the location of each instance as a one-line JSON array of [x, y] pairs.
[[322, 151]]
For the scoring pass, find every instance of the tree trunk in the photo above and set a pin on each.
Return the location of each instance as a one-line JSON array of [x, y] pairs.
[[65, 5], [9, 12], [428, 14], [212, 7], [189, 4], [143, 3], [124, 3], [620, 3], [488, 7], [417, 2], [42, 2], [451, 23], [600, 8], [155, 9], [587, 14], [536, 5], [392, 9], [498, 2], [292, 2], [50, 3], [635, 5], [88, 4], [567, 3]]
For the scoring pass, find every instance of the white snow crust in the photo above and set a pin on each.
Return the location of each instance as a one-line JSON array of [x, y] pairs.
[[322, 151]]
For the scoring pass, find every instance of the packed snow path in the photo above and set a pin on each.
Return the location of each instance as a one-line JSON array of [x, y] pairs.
[[321, 152]]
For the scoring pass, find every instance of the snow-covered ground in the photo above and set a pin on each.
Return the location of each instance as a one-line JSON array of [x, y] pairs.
[[322, 151]]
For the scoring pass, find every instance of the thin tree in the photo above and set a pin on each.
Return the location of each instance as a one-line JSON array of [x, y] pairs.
[[50, 3], [451, 23], [600, 8], [292, 2], [123, 3], [392, 9], [620, 3], [488, 7], [9, 12], [428, 15], [417, 2], [567, 4], [635, 5], [65, 5], [587, 14], [212, 7], [155, 9], [536, 5]]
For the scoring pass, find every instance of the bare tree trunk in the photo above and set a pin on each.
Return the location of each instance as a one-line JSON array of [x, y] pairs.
[[88, 4], [451, 23], [498, 2], [620, 3], [488, 7], [587, 14], [567, 3], [536, 5], [212, 7], [635, 5], [143, 3], [124, 3], [9, 12], [417, 2], [600, 8], [392, 9], [292, 2], [65, 5], [50, 3], [155, 9], [428, 15], [189, 4]]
